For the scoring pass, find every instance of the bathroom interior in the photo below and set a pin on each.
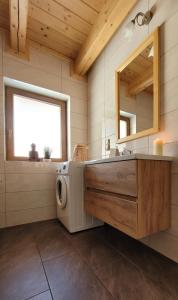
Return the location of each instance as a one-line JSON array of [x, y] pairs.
[[88, 150]]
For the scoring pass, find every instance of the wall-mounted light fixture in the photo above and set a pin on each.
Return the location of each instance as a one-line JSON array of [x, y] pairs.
[[140, 20]]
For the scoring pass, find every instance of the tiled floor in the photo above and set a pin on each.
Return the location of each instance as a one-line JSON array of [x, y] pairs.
[[42, 261]]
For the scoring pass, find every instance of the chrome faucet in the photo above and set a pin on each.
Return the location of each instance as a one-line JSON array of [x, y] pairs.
[[127, 151]]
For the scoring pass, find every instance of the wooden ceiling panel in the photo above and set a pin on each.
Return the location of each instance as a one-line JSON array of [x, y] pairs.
[[51, 44], [95, 4], [50, 38], [81, 9], [77, 29], [54, 23], [4, 14], [109, 20], [63, 14]]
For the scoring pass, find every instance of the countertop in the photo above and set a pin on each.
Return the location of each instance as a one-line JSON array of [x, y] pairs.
[[129, 157]]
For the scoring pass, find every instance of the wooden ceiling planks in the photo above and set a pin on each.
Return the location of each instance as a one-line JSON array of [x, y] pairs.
[[95, 4], [63, 14], [77, 29], [51, 44], [49, 37], [109, 20], [69, 23], [4, 14], [81, 9], [61, 27]]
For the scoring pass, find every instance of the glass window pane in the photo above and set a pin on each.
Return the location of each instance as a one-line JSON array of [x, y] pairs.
[[123, 129], [36, 122]]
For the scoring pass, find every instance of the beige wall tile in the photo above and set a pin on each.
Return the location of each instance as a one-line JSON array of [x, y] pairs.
[[78, 106], [2, 123], [29, 182], [30, 167], [166, 244], [109, 127], [2, 183], [2, 203], [95, 149], [95, 116], [96, 130], [1, 91], [168, 130], [74, 88], [174, 221], [79, 136], [174, 189], [45, 62], [29, 74], [2, 220], [171, 149], [169, 65], [163, 11], [65, 69], [30, 215], [32, 199], [1, 45], [169, 92], [168, 39], [79, 121], [1, 164]]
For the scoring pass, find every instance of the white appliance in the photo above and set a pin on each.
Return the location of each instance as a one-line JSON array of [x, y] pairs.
[[70, 197]]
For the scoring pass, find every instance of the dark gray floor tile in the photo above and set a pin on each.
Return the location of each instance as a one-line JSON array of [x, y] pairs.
[[157, 267], [15, 238], [71, 279], [21, 274], [127, 282], [94, 251], [50, 240], [43, 296]]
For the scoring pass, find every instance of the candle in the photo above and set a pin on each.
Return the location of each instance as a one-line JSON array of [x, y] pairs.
[[158, 147]]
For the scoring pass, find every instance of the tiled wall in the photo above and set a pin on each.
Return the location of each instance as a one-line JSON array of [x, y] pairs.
[[27, 189], [101, 104]]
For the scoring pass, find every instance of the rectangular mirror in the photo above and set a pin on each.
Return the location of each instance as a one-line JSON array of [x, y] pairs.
[[137, 92]]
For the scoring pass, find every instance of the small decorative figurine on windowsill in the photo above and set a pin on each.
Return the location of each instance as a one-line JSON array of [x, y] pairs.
[[47, 154], [33, 154]]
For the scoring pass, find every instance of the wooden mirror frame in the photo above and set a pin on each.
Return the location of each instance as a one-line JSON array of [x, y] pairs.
[[155, 40]]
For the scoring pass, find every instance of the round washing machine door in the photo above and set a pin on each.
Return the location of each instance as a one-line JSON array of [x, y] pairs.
[[61, 191]]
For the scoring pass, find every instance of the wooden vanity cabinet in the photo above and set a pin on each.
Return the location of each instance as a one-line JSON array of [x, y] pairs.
[[132, 196]]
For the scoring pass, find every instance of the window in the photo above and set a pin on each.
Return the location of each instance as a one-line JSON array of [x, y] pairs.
[[32, 118], [124, 126]]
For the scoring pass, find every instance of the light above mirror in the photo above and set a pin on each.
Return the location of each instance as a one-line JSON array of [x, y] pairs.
[[137, 92], [140, 20]]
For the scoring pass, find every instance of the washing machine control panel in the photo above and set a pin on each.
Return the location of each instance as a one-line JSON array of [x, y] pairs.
[[63, 168]]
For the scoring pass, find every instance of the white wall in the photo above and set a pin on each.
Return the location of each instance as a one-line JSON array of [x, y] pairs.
[[101, 104], [140, 106], [27, 189]]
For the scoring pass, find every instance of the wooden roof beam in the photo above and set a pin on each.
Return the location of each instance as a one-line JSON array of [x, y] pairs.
[[18, 24], [109, 20], [14, 23], [141, 83]]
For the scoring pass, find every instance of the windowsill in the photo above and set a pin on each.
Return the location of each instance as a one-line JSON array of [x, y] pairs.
[[33, 162]]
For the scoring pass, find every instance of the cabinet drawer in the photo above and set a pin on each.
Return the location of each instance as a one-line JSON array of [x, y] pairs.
[[118, 212], [116, 177]]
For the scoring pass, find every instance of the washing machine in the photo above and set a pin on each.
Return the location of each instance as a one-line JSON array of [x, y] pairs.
[[70, 197]]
